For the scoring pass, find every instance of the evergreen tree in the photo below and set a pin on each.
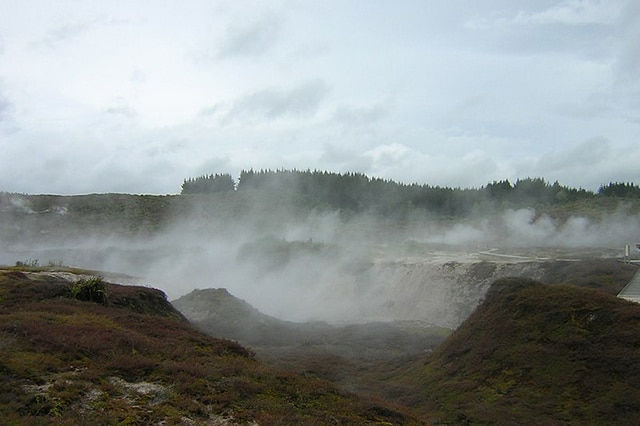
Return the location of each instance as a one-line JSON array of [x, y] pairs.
[[208, 184], [355, 193], [620, 189]]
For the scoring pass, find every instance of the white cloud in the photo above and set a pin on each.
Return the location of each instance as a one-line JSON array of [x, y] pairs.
[[399, 162], [389, 155], [568, 12], [574, 12], [452, 94]]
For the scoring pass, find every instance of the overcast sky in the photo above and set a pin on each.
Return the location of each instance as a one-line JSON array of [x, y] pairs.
[[135, 96]]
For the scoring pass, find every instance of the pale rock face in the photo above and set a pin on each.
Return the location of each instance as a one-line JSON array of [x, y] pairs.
[[426, 290], [441, 289]]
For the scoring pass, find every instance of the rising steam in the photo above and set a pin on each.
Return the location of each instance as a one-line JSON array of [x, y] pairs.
[[322, 266]]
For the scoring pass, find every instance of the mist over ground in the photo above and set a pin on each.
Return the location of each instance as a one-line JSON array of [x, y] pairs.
[[317, 265]]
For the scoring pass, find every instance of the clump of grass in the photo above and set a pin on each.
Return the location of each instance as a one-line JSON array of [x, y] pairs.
[[90, 290], [29, 263]]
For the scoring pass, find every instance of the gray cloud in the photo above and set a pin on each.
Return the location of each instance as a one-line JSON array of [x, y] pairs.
[[629, 62], [627, 65], [407, 92], [64, 33], [343, 158], [67, 32], [121, 108], [590, 163], [6, 107], [360, 116], [250, 39], [622, 104], [587, 153], [578, 27], [209, 111], [594, 106], [302, 100]]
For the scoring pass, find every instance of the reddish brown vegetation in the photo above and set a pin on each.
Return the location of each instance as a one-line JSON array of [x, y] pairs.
[[66, 361]]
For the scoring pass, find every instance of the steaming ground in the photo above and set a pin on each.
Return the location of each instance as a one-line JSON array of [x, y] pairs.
[[328, 268]]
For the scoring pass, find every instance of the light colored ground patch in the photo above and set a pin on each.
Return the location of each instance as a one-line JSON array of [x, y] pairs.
[[57, 275], [154, 392]]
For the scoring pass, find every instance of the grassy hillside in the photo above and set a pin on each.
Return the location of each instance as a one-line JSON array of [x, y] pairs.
[[381, 359], [536, 354], [123, 355]]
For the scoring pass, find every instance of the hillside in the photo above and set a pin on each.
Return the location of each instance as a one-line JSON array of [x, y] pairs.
[[353, 356], [219, 313], [76, 352], [288, 195], [536, 354], [386, 359], [357, 293]]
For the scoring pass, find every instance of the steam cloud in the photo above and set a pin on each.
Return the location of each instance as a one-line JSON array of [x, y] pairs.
[[322, 267]]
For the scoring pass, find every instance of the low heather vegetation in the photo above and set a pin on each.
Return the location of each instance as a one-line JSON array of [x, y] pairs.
[[136, 361], [537, 354]]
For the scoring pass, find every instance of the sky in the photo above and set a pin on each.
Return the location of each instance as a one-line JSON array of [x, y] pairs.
[[136, 96]]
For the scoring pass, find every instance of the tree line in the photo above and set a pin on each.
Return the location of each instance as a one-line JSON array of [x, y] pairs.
[[208, 184], [356, 192]]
